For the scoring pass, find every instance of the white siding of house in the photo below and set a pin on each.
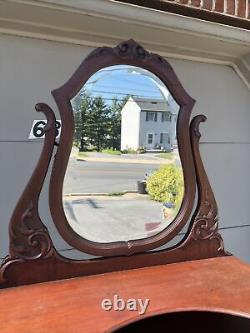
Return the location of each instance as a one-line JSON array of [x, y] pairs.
[[156, 127], [130, 125]]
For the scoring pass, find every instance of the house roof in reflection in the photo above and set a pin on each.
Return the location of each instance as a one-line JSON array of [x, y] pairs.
[[149, 104]]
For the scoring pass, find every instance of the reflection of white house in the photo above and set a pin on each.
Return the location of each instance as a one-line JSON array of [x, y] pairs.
[[149, 123]]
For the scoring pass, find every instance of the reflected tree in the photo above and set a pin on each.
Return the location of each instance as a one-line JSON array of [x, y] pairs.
[[81, 107], [114, 128], [97, 125]]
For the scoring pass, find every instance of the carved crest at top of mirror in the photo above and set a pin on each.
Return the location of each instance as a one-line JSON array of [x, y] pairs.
[[127, 127], [125, 174]]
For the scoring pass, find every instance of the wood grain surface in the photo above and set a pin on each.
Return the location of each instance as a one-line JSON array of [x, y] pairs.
[[74, 305]]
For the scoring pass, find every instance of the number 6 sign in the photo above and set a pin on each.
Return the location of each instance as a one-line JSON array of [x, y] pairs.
[[37, 129]]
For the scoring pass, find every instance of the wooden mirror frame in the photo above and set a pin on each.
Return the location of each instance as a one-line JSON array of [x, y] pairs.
[[32, 256], [126, 53]]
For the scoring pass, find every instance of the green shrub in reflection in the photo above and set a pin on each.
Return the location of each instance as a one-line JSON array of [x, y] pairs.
[[166, 185], [111, 151]]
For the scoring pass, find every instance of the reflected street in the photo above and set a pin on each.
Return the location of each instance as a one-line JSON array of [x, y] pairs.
[[96, 177]]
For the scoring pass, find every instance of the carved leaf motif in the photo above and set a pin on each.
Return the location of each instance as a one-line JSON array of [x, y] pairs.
[[205, 220], [128, 50], [29, 238]]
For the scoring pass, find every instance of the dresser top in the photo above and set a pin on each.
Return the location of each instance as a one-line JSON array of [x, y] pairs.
[[74, 305]]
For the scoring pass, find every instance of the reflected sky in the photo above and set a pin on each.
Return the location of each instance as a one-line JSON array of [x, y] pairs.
[[120, 81]]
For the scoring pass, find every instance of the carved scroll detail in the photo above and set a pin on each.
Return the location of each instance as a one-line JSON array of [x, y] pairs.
[[29, 238], [129, 50], [205, 220]]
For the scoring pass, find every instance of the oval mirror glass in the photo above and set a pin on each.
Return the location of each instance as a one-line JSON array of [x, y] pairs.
[[124, 179]]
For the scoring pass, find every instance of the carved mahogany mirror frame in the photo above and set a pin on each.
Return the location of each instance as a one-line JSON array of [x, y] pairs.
[[32, 255], [127, 53]]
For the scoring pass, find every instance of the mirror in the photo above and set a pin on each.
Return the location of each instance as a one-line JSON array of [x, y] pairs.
[[124, 179], [118, 186]]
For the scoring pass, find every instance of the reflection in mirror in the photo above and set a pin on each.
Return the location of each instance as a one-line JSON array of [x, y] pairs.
[[124, 179]]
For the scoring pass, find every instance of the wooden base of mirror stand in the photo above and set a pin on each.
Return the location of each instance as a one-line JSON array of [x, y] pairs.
[[214, 292]]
